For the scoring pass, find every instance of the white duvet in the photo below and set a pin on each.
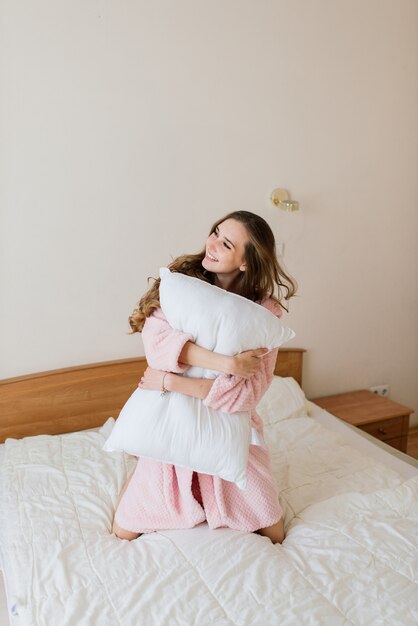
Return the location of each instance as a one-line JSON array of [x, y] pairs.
[[349, 557]]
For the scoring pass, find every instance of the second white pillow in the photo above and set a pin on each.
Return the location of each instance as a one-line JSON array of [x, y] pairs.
[[283, 400]]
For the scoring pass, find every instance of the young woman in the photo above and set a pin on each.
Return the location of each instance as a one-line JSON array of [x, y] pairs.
[[239, 256]]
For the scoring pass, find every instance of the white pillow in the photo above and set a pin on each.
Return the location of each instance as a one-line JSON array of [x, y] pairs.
[[283, 400], [179, 429]]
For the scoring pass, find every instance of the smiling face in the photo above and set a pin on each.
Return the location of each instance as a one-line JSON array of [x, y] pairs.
[[225, 249]]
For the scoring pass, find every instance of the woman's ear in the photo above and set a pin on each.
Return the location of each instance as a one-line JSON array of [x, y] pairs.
[[243, 267]]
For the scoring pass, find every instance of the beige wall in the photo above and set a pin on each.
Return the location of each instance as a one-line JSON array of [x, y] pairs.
[[127, 128]]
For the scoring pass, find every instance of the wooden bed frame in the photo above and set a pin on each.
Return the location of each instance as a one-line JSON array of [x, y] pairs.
[[77, 398]]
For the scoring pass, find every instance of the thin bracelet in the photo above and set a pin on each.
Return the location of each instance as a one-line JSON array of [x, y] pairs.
[[163, 389]]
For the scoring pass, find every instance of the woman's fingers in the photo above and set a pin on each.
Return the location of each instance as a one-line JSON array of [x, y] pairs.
[[145, 378], [260, 352], [248, 363]]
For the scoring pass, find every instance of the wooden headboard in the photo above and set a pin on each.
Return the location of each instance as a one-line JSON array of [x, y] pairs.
[[76, 398]]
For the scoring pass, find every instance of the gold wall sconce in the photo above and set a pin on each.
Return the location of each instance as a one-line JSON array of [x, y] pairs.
[[280, 198]]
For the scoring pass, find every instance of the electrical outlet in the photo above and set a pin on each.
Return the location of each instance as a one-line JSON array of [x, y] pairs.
[[380, 390]]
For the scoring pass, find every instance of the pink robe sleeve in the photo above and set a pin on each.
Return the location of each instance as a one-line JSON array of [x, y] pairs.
[[232, 393], [163, 344]]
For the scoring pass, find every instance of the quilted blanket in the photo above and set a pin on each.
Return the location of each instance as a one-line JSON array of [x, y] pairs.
[[349, 557]]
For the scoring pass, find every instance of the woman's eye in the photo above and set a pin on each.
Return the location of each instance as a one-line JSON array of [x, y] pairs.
[[226, 246]]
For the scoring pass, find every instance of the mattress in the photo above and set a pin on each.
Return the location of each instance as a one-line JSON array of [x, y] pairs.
[[349, 557]]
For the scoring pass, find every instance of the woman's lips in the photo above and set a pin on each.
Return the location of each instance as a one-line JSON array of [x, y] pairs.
[[210, 258]]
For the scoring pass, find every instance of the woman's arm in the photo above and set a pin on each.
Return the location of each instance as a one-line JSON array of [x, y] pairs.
[[244, 364], [233, 393], [171, 350], [163, 344], [225, 393], [154, 380]]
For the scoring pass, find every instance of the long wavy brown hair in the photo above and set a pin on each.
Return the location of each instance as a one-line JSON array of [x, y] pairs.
[[262, 279]]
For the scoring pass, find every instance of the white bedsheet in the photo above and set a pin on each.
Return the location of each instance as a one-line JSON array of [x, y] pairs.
[[365, 443], [349, 557]]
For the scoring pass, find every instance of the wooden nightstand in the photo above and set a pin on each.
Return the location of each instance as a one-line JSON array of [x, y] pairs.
[[380, 417]]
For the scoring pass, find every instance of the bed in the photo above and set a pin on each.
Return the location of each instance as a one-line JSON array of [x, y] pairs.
[[351, 518]]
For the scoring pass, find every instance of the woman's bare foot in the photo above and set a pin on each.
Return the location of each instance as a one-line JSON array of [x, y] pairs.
[[275, 533], [121, 533]]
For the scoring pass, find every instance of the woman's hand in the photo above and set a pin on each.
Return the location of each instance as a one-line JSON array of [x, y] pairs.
[[247, 363], [152, 380]]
